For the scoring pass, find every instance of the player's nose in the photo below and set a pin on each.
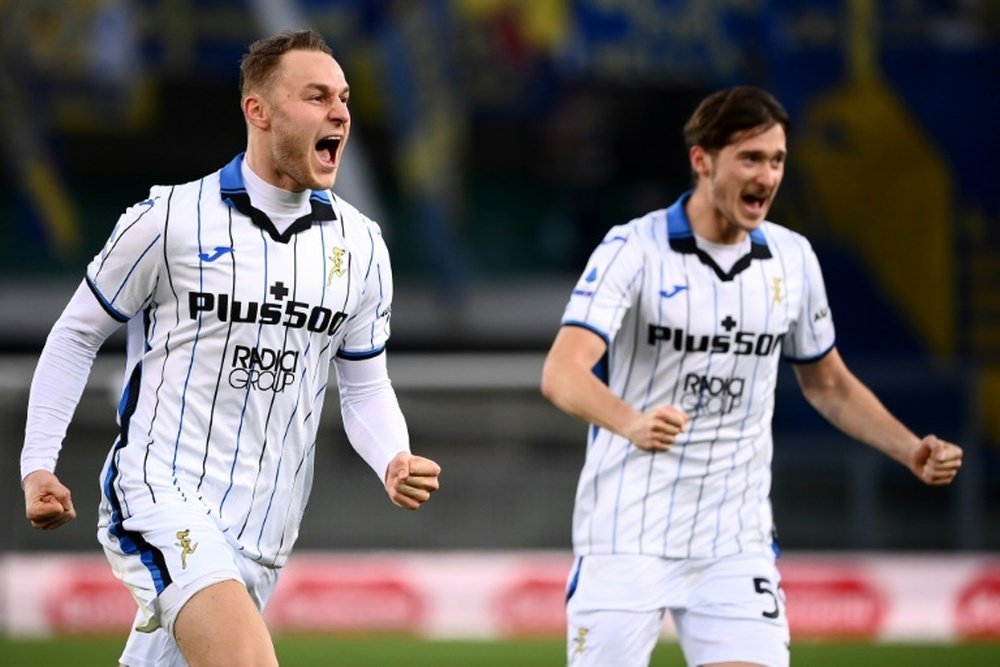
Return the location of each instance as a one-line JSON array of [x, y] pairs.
[[339, 112], [769, 176]]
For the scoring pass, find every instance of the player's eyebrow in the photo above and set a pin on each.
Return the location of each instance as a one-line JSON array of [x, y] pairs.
[[327, 90], [761, 155]]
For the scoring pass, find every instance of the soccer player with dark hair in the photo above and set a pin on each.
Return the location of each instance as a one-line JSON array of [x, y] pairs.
[[669, 348], [239, 291]]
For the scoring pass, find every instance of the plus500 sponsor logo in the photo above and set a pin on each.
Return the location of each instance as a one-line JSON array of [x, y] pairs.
[[292, 314], [263, 368], [740, 343]]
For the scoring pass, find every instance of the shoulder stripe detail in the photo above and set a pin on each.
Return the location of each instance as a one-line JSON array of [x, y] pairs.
[[108, 308], [132, 270], [107, 253]]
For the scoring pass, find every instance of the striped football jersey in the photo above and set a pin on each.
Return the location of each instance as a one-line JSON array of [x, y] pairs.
[[232, 326], [681, 331]]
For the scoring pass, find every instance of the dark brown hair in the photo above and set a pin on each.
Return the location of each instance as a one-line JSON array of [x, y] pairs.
[[259, 63], [723, 115]]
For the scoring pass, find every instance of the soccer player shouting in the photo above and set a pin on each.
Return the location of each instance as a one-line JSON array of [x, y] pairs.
[[669, 348], [239, 290]]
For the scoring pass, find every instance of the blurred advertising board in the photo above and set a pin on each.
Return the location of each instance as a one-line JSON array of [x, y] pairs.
[[482, 595]]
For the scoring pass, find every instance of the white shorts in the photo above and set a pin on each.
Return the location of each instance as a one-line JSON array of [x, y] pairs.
[[725, 609], [166, 556]]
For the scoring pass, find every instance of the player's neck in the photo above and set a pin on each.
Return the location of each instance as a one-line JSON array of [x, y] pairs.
[[282, 207], [708, 223], [257, 158]]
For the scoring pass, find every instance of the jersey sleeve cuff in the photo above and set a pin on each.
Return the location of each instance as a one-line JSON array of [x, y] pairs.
[[105, 304]]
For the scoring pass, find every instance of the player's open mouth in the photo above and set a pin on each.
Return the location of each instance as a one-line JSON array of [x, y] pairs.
[[755, 203], [327, 148]]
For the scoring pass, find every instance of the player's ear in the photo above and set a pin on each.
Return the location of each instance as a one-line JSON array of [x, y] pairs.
[[255, 111], [701, 161]]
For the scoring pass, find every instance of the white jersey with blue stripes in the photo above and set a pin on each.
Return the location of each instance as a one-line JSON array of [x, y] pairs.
[[232, 326], [683, 332]]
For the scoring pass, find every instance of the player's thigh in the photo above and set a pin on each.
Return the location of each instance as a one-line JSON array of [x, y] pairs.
[[221, 625], [150, 646], [735, 615], [151, 649], [165, 557], [611, 638]]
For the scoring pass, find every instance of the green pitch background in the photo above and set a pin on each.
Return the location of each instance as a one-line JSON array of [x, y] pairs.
[[296, 651]]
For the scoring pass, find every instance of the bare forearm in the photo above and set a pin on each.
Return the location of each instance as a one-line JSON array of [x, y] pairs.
[[857, 412], [569, 382], [579, 393], [850, 406]]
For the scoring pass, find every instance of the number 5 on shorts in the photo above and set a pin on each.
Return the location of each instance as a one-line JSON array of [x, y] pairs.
[[763, 586]]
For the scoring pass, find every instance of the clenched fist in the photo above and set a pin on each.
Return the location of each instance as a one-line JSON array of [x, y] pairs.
[[47, 503], [410, 480]]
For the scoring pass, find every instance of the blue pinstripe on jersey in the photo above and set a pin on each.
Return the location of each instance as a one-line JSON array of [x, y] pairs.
[[108, 304], [201, 420], [131, 542], [682, 330], [197, 337]]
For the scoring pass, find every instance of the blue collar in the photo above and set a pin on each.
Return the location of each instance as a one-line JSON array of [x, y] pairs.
[[682, 240], [679, 226], [233, 191]]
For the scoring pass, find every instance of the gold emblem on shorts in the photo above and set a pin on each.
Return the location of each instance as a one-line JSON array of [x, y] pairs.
[[184, 542], [580, 641], [337, 257]]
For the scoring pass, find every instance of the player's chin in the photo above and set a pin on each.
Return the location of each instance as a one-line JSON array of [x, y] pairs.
[[323, 181], [322, 175], [751, 214], [751, 223]]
